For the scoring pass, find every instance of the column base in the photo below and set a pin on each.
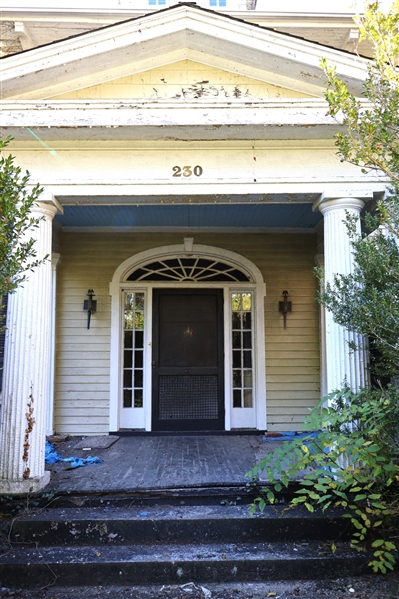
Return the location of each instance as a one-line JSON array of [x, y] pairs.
[[24, 487]]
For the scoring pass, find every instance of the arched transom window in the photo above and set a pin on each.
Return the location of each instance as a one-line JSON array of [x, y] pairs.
[[193, 269]]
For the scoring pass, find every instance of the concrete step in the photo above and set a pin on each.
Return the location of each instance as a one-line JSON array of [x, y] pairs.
[[30, 566], [175, 524]]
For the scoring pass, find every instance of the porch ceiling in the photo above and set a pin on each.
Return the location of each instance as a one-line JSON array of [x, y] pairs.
[[295, 216]]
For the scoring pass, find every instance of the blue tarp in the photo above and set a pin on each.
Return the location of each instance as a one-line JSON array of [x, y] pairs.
[[52, 457], [290, 436]]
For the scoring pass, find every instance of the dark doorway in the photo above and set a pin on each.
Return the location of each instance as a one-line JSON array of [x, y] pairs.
[[187, 367]]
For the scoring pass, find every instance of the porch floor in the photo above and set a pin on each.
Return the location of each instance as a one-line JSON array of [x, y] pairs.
[[140, 463]]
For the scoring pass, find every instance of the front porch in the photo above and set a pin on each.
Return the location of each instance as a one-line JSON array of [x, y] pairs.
[[144, 464]]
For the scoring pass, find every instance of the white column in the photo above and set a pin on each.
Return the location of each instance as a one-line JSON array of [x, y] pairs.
[[319, 259], [27, 359], [55, 259], [341, 362]]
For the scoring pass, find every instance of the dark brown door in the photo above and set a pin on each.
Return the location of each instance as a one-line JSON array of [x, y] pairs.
[[188, 388]]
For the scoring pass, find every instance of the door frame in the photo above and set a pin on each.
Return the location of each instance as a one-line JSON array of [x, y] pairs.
[[119, 285]]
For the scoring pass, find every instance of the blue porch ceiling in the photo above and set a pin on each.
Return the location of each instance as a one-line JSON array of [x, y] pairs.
[[229, 216]]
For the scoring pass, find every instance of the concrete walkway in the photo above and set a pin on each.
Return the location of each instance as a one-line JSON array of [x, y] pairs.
[[158, 462]]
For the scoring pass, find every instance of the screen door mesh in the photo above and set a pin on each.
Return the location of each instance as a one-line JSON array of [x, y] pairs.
[[188, 396]]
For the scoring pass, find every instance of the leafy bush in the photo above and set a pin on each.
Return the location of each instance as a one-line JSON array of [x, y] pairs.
[[350, 463]]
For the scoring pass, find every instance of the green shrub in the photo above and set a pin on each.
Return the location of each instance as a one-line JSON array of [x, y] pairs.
[[350, 463]]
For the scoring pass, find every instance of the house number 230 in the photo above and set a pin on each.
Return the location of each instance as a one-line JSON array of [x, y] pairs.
[[187, 171]]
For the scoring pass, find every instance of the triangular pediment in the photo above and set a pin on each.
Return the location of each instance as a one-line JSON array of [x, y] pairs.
[[184, 80], [187, 34]]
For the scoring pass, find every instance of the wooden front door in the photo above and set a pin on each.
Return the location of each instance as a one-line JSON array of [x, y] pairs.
[[187, 367]]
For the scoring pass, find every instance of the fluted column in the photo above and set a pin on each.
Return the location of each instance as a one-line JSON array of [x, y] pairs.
[[55, 259], [342, 363], [27, 358]]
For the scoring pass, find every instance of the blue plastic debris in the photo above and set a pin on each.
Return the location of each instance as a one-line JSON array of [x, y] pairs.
[[143, 514], [289, 436], [52, 456]]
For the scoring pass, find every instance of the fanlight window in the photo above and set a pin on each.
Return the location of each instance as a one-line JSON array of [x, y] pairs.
[[189, 270]]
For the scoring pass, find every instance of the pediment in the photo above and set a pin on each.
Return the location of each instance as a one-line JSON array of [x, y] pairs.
[[183, 81], [168, 37]]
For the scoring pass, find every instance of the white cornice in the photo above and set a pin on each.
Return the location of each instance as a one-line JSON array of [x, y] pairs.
[[107, 120]]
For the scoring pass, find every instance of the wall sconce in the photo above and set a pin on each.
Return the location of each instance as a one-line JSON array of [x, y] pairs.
[[284, 307], [90, 305]]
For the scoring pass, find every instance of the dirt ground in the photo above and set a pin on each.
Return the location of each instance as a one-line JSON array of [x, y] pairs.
[[364, 587]]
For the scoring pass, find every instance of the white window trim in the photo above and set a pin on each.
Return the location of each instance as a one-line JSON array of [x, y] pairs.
[[120, 285]]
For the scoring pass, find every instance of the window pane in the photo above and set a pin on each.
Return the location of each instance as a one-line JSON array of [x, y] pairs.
[[237, 359], [129, 301], [139, 320], [138, 339], [127, 358], [138, 359], [138, 398], [247, 340], [247, 359], [237, 339], [127, 398], [128, 339], [139, 305], [247, 398], [246, 320], [127, 378], [237, 380], [138, 378], [236, 301], [236, 320], [237, 398], [129, 320], [247, 301], [248, 378]]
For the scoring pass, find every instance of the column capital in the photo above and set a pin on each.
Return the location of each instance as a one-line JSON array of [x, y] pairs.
[[47, 201], [45, 209], [330, 204]]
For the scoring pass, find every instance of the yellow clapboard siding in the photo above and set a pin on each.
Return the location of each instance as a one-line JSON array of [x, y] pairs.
[[305, 379], [78, 370], [81, 412], [291, 394], [294, 410], [64, 394], [84, 403], [275, 361], [289, 403], [80, 429], [89, 261], [96, 383]]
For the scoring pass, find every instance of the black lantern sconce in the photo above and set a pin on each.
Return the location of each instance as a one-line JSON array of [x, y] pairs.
[[90, 305], [284, 307]]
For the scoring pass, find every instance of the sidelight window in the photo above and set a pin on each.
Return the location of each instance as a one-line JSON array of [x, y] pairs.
[[242, 362], [133, 350]]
